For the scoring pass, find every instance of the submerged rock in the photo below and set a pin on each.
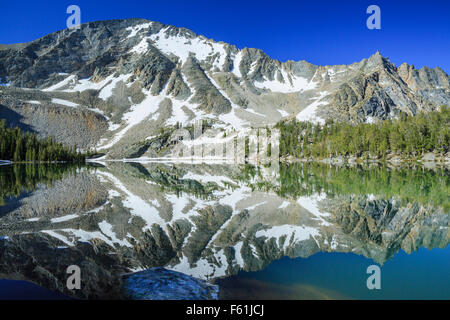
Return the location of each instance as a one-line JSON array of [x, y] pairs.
[[163, 284]]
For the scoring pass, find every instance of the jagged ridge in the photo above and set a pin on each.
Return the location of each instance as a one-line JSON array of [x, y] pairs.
[[142, 75]]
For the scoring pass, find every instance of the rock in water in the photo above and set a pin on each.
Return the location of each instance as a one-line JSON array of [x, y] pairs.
[[163, 284]]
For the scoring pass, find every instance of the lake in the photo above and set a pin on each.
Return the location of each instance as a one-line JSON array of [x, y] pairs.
[[293, 231]]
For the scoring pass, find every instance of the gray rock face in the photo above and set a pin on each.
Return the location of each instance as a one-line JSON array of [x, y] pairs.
[[81, 51], [40, 259], [71, 126], [207, 96], [125, 69]]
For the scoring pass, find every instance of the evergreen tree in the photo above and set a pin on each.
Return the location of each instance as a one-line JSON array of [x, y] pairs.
[[409, 135], [20, 146]]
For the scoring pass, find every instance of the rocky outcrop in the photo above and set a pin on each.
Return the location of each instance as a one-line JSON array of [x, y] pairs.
[[162, 284], [207, 96], [39, 258], [79, 127]]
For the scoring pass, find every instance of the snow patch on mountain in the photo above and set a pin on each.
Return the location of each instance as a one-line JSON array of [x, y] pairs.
[[238, 255], [236, 64], [311, 203], [135, 29], [297, 84], [283, 113], [107, 229], [179, 115], [182, 47], [64, 218], [107, 90], [64, 103], [65, 82], [138, 206], [233, 197], [205, 178], [309, 113], [296, 233], [285, 204], [141, 47], [136, 114]]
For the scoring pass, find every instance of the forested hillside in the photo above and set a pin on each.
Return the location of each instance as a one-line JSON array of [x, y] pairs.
[[17, 145], [408, 135]]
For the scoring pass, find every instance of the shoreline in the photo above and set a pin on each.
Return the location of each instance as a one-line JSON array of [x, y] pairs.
[[9, 162], [428, 159], [340, 160]]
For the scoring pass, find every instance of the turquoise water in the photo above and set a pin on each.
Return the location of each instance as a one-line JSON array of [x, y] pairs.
[[423, 274]]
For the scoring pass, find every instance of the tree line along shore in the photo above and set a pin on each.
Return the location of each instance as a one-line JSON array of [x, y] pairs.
[[20, 146], [424, 136]]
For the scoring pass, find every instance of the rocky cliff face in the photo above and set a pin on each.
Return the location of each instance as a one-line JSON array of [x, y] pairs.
[[142, 74], [42, 113]]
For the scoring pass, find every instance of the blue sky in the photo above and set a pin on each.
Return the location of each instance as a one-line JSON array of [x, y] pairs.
[[321, 32]]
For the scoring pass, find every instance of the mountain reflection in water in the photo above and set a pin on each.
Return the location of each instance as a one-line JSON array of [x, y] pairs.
[[210, 221]]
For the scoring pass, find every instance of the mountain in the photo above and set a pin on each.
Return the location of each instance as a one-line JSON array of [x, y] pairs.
[[114, 84]]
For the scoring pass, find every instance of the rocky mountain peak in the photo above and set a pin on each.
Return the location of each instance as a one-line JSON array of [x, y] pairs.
[[142, 75], [378, 61]]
